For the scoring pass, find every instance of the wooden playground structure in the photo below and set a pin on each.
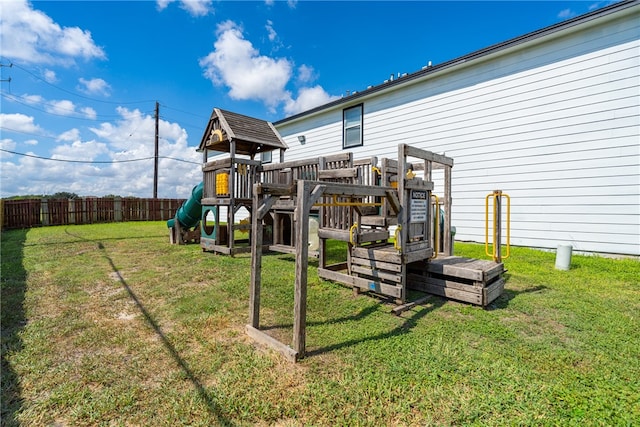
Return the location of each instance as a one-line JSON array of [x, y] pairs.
[[361, 210], [228, 183], [397, 230]]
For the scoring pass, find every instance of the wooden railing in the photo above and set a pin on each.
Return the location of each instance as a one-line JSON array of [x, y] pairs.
[[86, 210], [239, 177]]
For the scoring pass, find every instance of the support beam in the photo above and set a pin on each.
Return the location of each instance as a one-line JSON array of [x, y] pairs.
[[290, 354], [302, 263], [409, 305], [256, 264]]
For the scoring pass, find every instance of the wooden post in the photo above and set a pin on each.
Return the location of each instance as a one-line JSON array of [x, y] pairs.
[[497, 217], [44, 212], [448, 244], [429, 224], [301, 218], [256, 260], [232, 197], [322, 249], [403, 219], [72, 211], [117, 209]]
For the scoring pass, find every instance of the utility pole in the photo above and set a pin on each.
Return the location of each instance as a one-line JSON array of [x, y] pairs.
[[155, 157], [9, 79]]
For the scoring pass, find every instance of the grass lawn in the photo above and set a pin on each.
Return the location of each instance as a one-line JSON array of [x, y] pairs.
[[111, 325]]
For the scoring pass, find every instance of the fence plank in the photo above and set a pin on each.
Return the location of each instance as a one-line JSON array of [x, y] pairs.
[[29, 213]]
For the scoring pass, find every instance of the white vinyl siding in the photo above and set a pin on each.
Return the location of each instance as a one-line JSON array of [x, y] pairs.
[[554, 123]]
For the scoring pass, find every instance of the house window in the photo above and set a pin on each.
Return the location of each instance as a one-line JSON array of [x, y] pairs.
[[265, 157], [352, 127]]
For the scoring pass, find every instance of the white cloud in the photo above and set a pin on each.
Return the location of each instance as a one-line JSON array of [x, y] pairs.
[[132, 138], [306, 74], [162, 4], [32, 99], [31, 142], [236, 64], [63, 107], [69, 136], [271, 32], [197, 8], [566, 14], [272, 35], [94, 86], [19, 123], [89, 113], [193, 7], [78, 150], [31, 36], [7, 144], [129, 138], [50, 76], [291, 3], [308, 98]]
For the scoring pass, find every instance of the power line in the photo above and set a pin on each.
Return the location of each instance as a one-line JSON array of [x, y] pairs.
[[21, 99], [13, 64], [98, 161], [74, 114], [14, 98], [28, 133], [186, 112], [181, 123]]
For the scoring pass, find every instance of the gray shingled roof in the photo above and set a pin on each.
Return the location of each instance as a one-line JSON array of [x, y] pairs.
[[250, 135]]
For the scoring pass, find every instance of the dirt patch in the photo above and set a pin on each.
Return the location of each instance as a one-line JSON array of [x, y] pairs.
[[116, 276]]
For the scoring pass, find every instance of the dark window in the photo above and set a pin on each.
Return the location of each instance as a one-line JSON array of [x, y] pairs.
[[352, 127], [265, 157]]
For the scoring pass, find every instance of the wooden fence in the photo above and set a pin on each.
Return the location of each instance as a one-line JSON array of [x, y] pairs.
[[87, 210]]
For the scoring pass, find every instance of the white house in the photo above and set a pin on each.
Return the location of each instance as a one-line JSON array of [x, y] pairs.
[[552, 118]]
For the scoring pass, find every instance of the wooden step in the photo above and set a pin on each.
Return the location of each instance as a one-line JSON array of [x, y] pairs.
[[364, 236], [465, 279], [378, 220], [467, 268]]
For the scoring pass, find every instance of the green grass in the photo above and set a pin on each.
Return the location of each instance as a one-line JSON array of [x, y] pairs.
[[111, 325]]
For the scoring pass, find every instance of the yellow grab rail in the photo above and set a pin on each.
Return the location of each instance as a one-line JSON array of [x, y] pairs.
[[353, 227], [495, 253], [396, 238]]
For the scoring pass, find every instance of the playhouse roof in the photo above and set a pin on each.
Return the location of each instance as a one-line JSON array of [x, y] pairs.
[[249, 135]]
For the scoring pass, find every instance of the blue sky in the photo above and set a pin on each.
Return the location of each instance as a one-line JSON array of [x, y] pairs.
[[85, 75]]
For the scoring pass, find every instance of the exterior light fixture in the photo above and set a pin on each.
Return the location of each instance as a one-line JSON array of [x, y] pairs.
[[302, 139]]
